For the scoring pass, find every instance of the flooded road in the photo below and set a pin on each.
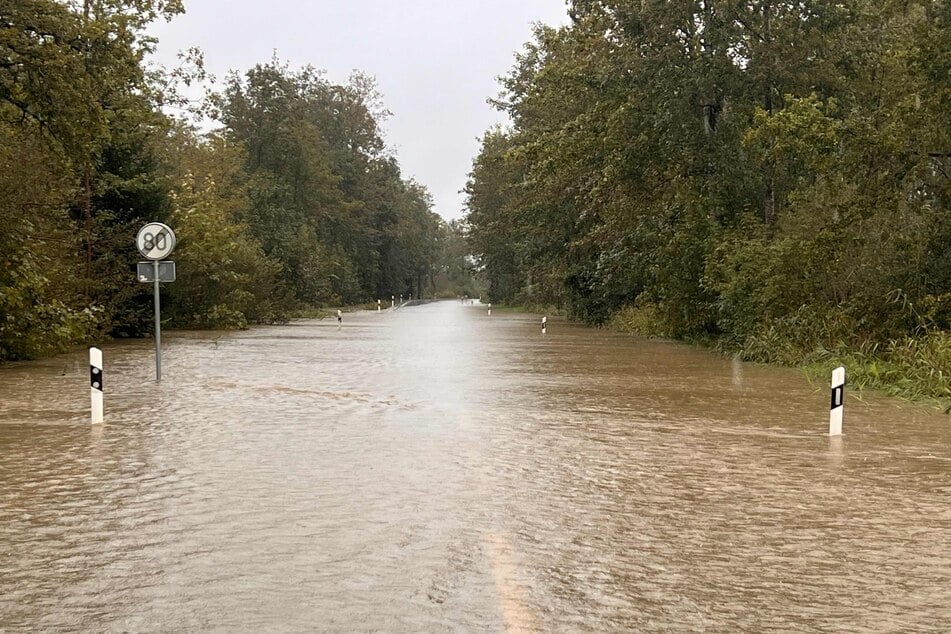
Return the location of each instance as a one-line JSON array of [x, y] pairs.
[[434, 469]]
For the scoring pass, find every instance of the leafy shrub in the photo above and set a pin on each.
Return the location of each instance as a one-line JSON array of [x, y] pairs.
[[641, 319]]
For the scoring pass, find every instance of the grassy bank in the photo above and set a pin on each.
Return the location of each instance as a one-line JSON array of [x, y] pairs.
[[912, 368], [535, 309], [314, 312]]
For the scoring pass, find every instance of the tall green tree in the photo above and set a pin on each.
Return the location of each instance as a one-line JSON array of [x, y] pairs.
[[224, 280], [326, 200]]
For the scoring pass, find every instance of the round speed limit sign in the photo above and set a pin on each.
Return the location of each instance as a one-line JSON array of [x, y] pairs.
[[155, 241]]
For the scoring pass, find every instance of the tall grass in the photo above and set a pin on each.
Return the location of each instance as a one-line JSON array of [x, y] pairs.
[[913, 368], [535, 309]]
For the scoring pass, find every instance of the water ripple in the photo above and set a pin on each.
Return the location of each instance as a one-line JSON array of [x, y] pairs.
[[438, 470]]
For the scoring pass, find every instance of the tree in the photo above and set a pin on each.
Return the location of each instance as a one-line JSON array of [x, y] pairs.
[[224, 279], [325, 199]]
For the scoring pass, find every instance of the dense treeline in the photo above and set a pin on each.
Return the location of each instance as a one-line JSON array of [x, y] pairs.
[[292, 202], [766, 174]]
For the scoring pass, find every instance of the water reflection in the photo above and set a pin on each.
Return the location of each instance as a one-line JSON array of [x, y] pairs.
[[437, 469]]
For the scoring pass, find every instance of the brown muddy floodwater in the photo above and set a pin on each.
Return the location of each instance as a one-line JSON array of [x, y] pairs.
[[433, 469]]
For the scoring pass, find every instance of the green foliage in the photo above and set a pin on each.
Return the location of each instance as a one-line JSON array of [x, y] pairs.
[[41, 311], [324, 199], [72, 88], [642, 319], [492, 230], [457, 274], [295, 203], [224, 279]]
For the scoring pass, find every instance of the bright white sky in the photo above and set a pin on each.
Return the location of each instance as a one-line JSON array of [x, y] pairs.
[[435, 62]]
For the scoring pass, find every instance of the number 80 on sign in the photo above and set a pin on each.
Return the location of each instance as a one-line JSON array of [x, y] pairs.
[[155, 241]]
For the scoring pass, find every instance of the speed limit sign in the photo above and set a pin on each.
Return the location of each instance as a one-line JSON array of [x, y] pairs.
[[155, 241]]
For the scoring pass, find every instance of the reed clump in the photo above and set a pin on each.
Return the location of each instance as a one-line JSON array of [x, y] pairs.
[[915, 368]]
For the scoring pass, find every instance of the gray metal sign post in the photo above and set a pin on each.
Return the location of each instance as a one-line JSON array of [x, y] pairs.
[[156, 241], [158, 325]]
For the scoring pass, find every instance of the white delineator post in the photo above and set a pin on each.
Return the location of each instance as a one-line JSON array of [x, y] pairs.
[[544, 325], [838, 402], [379, 305], [95, 384], [490, 310]]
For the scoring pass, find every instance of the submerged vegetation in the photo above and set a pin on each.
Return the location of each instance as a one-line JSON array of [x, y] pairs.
[[771, 178], [292, 202]]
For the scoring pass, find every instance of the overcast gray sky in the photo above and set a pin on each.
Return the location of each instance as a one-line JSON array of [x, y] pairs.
[[435, 63]]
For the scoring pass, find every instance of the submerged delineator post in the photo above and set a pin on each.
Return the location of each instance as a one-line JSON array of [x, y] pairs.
[[837, 405], [95, 384]]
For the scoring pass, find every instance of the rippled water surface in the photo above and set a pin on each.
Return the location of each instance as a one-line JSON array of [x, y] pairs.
[[435, 469]]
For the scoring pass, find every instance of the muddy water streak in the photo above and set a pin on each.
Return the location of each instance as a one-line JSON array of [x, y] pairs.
[[434, 469]]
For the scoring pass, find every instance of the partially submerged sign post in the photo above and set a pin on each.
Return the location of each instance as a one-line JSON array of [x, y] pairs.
[[838, 402], [95, 384], [155, 241]]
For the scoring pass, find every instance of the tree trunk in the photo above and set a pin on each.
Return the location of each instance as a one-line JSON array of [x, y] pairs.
[[87, 222], [769, 214]]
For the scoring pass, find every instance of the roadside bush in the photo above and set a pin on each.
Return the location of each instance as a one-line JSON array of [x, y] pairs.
[[643, 319]]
